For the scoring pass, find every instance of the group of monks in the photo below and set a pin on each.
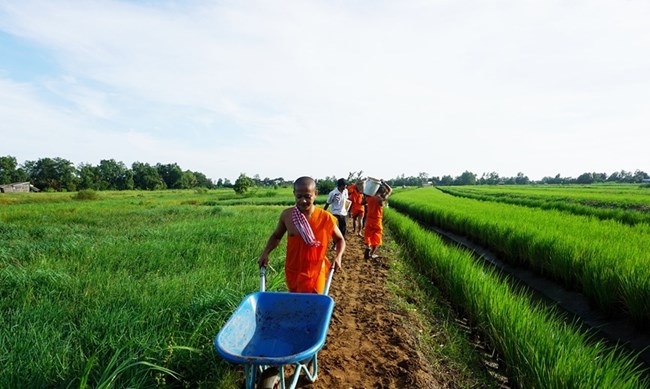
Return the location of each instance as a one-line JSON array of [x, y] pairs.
[[310, 230], [367, 213]]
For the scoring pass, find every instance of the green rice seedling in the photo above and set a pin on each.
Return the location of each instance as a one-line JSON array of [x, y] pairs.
[[604, 259], [540, 348], [628, 204]]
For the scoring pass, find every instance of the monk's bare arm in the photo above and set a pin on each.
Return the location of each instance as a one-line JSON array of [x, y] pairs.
[[340, 246], [389, 190], [274, 240]]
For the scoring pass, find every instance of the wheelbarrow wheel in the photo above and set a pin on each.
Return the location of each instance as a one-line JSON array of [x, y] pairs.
[[270, 379]]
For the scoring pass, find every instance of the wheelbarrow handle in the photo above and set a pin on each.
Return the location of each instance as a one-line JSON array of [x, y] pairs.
[[329, 279], [262, 278]]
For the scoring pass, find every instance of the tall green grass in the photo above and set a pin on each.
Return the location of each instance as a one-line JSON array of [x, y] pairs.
[[608, 261], [126, 290], [540, 349]]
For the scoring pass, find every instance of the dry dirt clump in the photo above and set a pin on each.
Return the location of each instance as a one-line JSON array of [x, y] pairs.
[[368, 343]]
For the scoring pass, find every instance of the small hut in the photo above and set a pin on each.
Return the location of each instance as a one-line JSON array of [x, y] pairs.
[[18, 187]]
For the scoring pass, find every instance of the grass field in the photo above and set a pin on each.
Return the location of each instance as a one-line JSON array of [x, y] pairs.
[[120, 289], [129, 290]]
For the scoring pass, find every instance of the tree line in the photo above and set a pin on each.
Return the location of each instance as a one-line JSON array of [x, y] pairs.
[[493, 178], [59, 174]]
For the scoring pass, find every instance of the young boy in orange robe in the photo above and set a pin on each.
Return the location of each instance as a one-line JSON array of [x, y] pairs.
[[357, 209], [374, 227], [310, 230]]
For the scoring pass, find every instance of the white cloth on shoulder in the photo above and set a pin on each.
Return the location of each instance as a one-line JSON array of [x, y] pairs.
[[303, 227]]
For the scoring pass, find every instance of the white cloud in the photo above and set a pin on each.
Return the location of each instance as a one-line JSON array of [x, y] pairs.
[[323, 88]]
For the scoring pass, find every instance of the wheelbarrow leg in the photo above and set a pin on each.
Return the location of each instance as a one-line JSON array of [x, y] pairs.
[[272, 378], [250, 374], [311, 368]]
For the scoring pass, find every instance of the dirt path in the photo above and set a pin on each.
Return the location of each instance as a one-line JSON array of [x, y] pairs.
[[368, 343]]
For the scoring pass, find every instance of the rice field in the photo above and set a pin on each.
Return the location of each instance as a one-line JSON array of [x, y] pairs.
[[129, 290], [607, 260], [629, 204], [539, 347]]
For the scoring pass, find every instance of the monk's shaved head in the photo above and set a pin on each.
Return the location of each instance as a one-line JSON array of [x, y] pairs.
[[304, 182]]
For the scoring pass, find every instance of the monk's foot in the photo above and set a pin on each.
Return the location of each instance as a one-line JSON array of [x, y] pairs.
[[374, 256]]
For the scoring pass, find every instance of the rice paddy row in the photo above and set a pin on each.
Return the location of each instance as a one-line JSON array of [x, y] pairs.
[[606, 260], [539, 348], [628, 204]]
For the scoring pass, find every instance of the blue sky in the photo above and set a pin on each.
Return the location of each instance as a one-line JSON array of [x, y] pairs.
[[322, 88]]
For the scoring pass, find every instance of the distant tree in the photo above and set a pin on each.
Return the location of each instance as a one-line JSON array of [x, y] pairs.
[[600, 177], [171, 174], [114, 175], [227, 183], [467, 178], [585, 178], [9, 171], [243, 184], [624, 176], [219, 183], [88, 177], [552, 180], [280, 182], [639, 176], [128, 183], [446, 180], [203, 181], [423, 178], [56, 174], [521, 179], [326, 185], [146, 177], [188, 180], [398, 181], [491, 178], [257, 180]]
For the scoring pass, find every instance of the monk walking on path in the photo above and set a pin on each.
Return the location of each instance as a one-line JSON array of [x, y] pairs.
[[356, 209], [374, 227], [310, 230]]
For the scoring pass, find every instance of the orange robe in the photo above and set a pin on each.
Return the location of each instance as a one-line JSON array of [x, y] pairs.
[[374, 228], [306, 267], [356, 209]]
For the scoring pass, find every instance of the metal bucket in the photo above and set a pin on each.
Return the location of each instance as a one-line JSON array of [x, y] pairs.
[[371, 186]]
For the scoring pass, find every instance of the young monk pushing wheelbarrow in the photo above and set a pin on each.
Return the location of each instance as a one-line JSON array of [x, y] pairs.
[[310, 230], [269, 331]]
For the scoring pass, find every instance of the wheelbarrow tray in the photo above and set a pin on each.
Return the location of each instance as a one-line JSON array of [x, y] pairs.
[[275, 328]]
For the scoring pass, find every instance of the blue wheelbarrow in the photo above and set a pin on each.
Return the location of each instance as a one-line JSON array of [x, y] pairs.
[[271, 330]]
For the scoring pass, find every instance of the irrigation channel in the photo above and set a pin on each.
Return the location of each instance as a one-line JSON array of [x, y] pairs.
[[614, 330]]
